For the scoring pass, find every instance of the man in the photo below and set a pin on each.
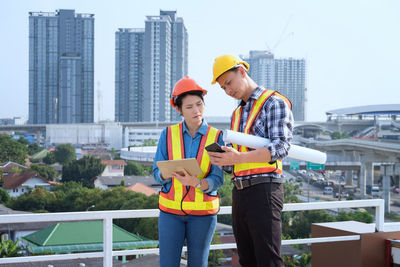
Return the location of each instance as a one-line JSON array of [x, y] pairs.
[[257, 197]]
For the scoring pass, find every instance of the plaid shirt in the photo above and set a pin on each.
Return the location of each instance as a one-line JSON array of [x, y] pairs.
[[274, 122]]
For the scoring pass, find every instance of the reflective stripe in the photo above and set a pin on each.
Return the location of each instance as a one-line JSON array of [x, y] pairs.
[[190, 205], [181, 200], [246, 169], [178, 149], [235, 123], [256, 109], [205, 164]]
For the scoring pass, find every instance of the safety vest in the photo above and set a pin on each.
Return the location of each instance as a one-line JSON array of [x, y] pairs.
[[187, 200], [245, 169]]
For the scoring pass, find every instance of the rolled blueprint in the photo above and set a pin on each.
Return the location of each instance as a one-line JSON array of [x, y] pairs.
[[295, 152]]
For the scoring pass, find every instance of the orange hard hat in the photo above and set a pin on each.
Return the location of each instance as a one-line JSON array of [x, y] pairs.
[[184, 85]]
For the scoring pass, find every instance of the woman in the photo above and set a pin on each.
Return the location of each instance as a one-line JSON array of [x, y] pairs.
[[188, 204]]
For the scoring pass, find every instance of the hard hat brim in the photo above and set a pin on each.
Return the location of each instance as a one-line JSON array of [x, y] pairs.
[[243, 63]]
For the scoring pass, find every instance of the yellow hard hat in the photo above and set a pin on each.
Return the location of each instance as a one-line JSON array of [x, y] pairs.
[[224, 63]]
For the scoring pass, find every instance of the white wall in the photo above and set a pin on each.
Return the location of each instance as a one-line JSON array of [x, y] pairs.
[[136, 136], [110, 171], [109, 133], [97, 184], [28, 185]]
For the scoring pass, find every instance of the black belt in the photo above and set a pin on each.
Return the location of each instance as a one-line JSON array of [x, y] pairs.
[[242, 184]]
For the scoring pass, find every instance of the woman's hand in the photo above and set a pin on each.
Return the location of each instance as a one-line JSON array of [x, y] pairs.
[[186, 179], [230, 157]]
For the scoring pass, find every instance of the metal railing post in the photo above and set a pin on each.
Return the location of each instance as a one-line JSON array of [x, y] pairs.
[[380, 216], [107, 242]]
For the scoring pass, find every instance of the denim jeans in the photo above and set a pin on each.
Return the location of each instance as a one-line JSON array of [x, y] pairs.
[[175, 229]]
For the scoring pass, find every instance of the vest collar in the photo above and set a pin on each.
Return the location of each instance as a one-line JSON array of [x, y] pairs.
[[202, 130], [255, 95]]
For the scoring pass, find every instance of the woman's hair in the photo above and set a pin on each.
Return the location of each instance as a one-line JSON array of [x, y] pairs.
[[179, 98]]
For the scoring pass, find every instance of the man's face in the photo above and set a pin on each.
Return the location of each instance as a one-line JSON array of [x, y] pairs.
[[232, 83]]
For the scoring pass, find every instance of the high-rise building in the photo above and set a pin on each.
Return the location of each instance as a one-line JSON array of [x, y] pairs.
[[157, 68], [129, 90], [286, 75], [158, 57], [179, 53], [262, 68], [290, 80], [61, 67]]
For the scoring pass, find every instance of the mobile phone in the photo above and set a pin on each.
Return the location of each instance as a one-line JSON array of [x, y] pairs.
[[214, 147]]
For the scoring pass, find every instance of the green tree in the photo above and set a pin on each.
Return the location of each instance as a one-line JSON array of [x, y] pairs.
[[46, 172], [149, 142], [35, 161], [215, 255], [9, 249], [11, 150], [298, 224], [33, 148], [65, 153], [339, 135], [225, 194], [129, 200], [15, 169], [50, 158], [4, 196], [72, 196], [134, 168], [115, 154], [37, 200], [360, 216], [83, 170], [290, 191], [304, 260], [23, 141]]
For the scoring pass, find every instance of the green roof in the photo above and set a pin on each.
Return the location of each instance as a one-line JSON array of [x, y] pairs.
[[69, 237], [41, 154]]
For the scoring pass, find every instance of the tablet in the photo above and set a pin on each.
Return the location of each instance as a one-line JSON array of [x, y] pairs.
[[167, 167]]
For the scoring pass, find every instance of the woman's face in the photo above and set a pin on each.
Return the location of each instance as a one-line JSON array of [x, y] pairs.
[[192, 109]]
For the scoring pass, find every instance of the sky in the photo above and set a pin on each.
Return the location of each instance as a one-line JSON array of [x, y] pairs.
[[352, 48]]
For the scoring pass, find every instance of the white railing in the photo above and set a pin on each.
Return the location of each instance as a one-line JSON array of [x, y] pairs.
[[108, 216]]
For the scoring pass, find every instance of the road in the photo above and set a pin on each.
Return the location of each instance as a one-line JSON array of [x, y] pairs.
[[312, 193]]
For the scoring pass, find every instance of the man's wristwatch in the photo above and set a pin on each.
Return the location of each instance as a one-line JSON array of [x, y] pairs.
[[199, 184]]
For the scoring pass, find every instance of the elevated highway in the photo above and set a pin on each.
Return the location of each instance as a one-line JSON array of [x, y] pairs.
[[360, 155]]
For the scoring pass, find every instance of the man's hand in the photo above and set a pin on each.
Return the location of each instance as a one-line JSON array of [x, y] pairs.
[[230, 157], [186, 179]]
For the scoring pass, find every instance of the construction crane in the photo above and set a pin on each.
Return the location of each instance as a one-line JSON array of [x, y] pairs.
[[282, 37]]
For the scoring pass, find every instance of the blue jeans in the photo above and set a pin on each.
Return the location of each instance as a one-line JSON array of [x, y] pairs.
[[174, 229]]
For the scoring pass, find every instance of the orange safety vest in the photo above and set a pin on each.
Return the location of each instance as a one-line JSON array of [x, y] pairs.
[[245, 169], [187, 200]]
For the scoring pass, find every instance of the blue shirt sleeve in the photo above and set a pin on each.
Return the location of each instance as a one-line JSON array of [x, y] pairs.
[[161, 154], [215, 178]]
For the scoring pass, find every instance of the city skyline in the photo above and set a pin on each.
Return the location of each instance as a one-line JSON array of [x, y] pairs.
[[148, 62], [350, 48], [286, 75], [61, 67]]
